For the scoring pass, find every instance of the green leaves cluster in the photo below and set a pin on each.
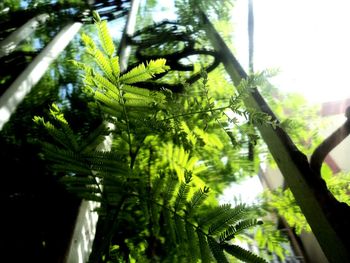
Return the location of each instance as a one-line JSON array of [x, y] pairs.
[[154, 202]]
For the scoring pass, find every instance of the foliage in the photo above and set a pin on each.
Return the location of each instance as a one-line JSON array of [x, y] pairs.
[[152, 194], [304, 132], [284, 203]]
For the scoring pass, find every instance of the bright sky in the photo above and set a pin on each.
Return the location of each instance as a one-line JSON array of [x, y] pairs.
[[308, 41], [247, 191]]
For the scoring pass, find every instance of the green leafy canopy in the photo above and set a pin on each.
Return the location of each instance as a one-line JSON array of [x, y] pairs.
[[154, 206]]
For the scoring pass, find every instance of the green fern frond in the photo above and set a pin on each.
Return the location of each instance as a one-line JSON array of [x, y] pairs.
[[72, 168], [77, 180], [59, 155], [157, 187], [233, 230], [169, 225], [180, 229], [104, 64], [171, 183], [115, 66], [96, 137], [109, 178], [62, 134], [143, 73], [56, 134], [216, 250], [105, 38], [107, 86], [90, 46], [225, 219], [203, 247], [181, 197], [135, 104], [116, 168], [114, 106], [211, 216], [137, 91], [192, 242], [197, 199], [242, 254]]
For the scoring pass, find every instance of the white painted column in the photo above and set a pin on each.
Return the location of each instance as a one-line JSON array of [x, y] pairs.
[[35, 70], [85, 227], [10, 43]]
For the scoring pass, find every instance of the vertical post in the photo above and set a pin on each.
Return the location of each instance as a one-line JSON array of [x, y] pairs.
[[251, 35], [125, 49], [35, 70]]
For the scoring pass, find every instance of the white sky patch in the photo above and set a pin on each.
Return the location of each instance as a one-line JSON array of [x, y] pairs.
[[309, 41], [165, 10], [246, 191]]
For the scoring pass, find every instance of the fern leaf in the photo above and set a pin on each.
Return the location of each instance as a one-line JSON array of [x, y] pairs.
[[169, 226], [109, 178], [105, 38], [197, 199], [77, 180], [192, 242], [138, 103], [59, 155], [64, 136], [143, 73], [181, 197], [171, 182], [157, 187], [71, 168], [107, 85], [114, 106], [96, 137], [89, 44], [232, 231], [137, 91], [203, 247], [179, 229], [104, 64], [216, 250], [242, 254], [214, 214], [226, 218], [115, 66]]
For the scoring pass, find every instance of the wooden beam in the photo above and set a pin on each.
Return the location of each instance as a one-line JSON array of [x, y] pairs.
[[34, 72], [10, 43], [328, 218]]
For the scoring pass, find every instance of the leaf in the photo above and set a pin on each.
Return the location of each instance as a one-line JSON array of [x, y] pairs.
[[105, 38], [181, 197], [192, 242], [197, 199], [242, 254], [143, 73], [232, 231], [226, 218], [204, 247], [216, 250]]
